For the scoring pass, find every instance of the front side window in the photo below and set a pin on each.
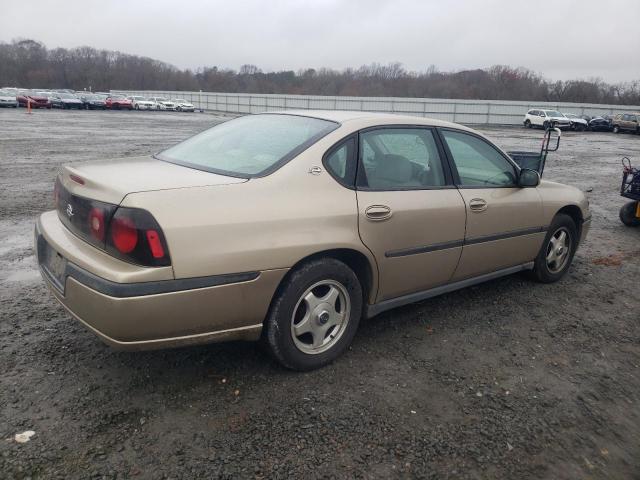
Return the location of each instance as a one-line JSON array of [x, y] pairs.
[[479, 163], [249, 146], [399, 158]]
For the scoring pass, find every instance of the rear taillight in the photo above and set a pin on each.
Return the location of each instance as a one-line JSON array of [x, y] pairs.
[[130, 234], [97, 225], [124, 234], [135, 236]]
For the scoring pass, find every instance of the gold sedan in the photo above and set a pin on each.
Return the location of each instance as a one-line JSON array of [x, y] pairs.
[[291, 227]]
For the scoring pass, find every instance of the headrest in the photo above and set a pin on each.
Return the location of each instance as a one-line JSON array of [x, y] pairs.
[[394, 168]]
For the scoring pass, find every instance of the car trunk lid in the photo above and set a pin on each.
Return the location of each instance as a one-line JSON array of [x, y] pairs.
[[111, 180]]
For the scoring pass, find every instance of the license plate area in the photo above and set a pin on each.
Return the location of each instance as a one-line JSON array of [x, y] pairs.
[[53, 264]]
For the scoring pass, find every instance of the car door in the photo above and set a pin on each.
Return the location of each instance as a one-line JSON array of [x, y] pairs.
[[410, 215], [504, 222]]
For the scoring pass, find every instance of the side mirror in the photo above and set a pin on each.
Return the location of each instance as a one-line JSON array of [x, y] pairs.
[[528, 178]]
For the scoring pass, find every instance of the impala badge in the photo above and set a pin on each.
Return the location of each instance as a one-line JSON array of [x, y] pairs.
[[69, 210]]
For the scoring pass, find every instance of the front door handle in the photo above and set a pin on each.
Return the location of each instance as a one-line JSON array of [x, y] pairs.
[[478, 205], [378, 212]]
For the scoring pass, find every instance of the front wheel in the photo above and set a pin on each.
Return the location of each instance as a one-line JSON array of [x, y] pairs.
[[527, 124], [616, 129], [557, 251], [628, 214], [315, 315]]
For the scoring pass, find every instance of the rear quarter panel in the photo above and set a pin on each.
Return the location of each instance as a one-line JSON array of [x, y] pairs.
[[266, 223]]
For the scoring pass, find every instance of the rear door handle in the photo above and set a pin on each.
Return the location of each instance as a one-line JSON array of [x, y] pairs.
[[478, 205], [378, 212]]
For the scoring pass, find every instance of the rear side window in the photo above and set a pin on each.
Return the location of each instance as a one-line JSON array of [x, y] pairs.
[[399, 159], [479, 163], [340, 162]]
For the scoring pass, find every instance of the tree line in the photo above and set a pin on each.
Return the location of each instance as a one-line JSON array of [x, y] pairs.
[[30, 64]]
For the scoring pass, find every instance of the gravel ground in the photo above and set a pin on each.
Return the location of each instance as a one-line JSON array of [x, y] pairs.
[[510, 379]]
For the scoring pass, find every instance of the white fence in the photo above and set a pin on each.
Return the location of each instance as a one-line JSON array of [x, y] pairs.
[[472, 112]]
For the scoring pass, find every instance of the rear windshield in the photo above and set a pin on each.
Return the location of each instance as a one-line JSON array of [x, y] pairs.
[[249, 146]]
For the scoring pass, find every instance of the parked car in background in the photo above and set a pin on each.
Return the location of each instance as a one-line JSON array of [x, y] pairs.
[[577, 123], [92, 101], [183, 106], [66, 101], [142, 252], [163, 103], [600, 124], [142, 103], [118, 102], [8, 99], [37, 99], [546, 119], [626, 122]]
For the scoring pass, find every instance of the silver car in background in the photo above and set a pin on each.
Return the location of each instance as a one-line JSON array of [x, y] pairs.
[[142, 103], [183, 106], [162, 103], [8, 99]]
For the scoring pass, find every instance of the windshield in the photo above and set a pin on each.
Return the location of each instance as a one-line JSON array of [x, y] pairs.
[[117, 97], [178, 100], [570, 115], [249, 146], [66, 95], [553, 113]]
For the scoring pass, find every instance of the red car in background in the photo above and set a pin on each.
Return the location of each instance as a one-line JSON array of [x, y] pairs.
[[116, 102], [37, 99]]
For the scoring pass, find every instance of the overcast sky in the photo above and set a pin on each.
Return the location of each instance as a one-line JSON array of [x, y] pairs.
[[565, 39]]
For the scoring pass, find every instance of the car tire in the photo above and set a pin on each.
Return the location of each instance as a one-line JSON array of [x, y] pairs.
[[137, 107], [527, 123], [545, 125], [557, 251], [616, 129], [628, 214], [319, 293]]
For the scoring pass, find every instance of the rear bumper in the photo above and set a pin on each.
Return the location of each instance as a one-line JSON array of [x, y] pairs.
[[158, 313]]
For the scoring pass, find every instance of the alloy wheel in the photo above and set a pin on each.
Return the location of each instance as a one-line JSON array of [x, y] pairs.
[[558, 250], [320, 317]]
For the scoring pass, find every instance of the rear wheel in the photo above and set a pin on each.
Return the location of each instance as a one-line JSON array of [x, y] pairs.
[[616, 129], [315, 315], [557, 251], [628, 214]]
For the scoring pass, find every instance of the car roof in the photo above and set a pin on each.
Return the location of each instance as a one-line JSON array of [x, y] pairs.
[[345, 116]]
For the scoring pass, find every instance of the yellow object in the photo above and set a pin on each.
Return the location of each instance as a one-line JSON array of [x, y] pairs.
[[638, 210]]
